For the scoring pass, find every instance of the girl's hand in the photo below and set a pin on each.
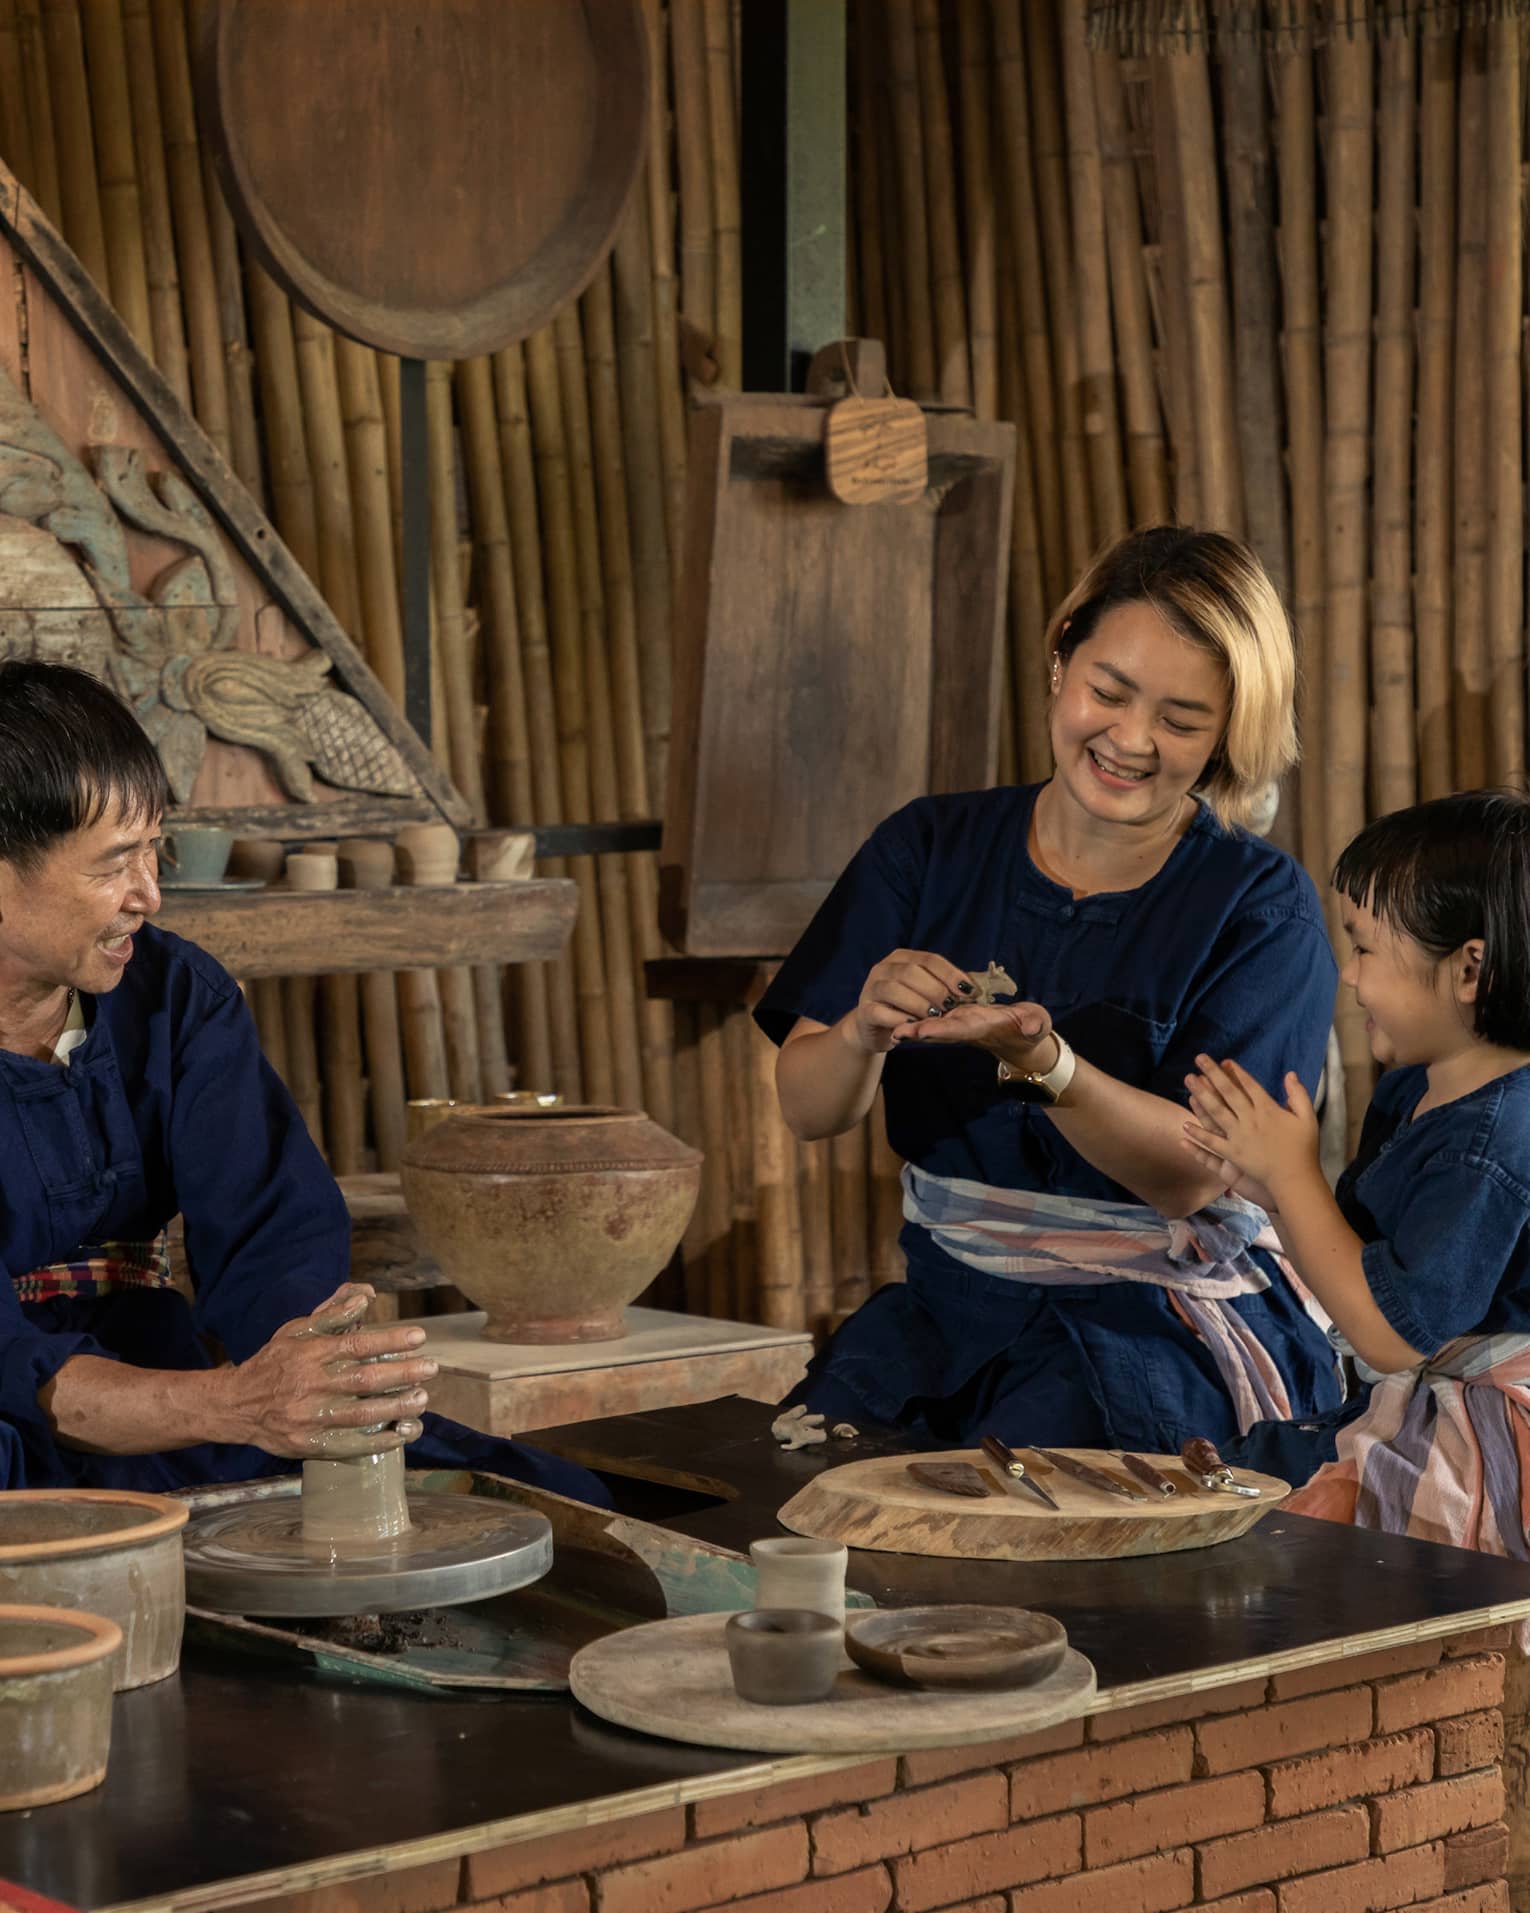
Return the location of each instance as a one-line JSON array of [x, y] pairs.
[[1019, 1033], [1237, 1183], [909, 984], [1237, 1122]]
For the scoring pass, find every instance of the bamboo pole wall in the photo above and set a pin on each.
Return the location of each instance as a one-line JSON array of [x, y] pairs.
[[1274, 288]]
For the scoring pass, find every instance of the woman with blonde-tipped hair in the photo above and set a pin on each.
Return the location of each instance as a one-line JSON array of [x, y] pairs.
[[1074, 1275]]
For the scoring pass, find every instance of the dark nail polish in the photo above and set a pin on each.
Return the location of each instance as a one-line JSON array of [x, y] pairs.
[[949, 1004], [965, 988], [934, 1011]]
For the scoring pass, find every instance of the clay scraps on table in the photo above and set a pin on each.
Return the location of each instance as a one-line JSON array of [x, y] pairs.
[[990, 984], [798, 1429]]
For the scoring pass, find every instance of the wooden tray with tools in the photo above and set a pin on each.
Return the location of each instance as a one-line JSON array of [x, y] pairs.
[[879, 1504]]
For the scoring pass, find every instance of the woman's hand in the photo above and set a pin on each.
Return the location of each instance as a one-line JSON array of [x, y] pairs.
[[909, 984], [1238, 1123], [1020, 1034], [1233, 1178]]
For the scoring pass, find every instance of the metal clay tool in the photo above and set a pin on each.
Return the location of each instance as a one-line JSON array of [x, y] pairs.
[[1012, 1471], [1207, 1469], [1091, 1477], [1148, 1475], [950, 1477]]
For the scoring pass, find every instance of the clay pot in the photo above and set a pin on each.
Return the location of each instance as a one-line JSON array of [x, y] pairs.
[[552, 1220], [55, 1703], [366, 863], [427, 854], [783, 1656], [312, 870], [107, 1551]]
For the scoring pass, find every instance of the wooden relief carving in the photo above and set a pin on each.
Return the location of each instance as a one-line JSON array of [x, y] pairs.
[[66, 594]]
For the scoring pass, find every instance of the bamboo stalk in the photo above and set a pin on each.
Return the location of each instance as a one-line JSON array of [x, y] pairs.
[[1394, 765], [1096, 353], [366, 469], [1141, 417], [299, 1001], [44, 183], [1502, 354], [852, 1220], [121, 217], [661, 239], [292, 498], [953, 369], [1347, 367], [517, 460], [1470, 556], [979, 210], [385, 1068], [689, 1127], [314, 348], [1173, 280], [782, 1303], [872, 285], [419, 1014], [887, 1260], [728, 265], [919, 371], [270, 1022], [738, 1032], [233, 330], [79, 186], [1025, 675], [1433, 507], [15, 112], [460, 1033], [1029, 282], [716, 1199], [193, 240], [446, 590], [688, 62], [343, 1091], [161, 269], [815, 1207]]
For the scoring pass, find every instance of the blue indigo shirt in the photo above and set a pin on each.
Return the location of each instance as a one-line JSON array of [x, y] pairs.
[[1442, 1204]]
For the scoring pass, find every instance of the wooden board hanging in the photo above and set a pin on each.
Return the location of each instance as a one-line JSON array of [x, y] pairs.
[[434, 177], [877, 1504]]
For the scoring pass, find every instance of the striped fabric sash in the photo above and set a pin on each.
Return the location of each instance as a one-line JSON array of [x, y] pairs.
[[102, 1268], [1203, 1262], [1442, 1452]]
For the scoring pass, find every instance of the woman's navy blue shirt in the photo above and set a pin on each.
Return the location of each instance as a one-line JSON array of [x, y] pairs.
[[1223, 950], [169, 1107]]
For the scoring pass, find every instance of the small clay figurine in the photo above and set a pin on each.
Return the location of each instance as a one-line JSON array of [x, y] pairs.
[[798, 1429], [990, 984]]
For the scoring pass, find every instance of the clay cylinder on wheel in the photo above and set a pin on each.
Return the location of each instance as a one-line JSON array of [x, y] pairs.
[[551, 1220]]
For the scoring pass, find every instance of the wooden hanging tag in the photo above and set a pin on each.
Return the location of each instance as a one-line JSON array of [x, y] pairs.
[[875, 451]]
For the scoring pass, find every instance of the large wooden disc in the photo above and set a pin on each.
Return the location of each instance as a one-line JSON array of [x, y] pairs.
[[877, 1504], [434, 177]]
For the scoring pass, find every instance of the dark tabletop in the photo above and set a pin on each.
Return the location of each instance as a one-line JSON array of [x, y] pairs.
[[234, 1768]]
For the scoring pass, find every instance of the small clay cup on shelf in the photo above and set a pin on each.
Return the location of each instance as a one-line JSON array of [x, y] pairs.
[[194, 854], [427, 853], [784, 1656], [261, 857], [366, 863], [312, 870]]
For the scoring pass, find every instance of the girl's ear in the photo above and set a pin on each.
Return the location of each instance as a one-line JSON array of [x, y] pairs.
[[1468, 967]]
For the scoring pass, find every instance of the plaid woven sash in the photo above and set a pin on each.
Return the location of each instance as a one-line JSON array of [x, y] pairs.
[[104, 1267]]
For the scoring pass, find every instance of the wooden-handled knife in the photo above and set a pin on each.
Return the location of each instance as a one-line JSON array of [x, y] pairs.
[[1012, 1471]]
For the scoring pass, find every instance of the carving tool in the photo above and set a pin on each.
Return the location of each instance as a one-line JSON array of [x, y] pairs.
[[1148, 1475], [1091, 1477], [1207, 1469], [951, 1477], [1012, 1470]]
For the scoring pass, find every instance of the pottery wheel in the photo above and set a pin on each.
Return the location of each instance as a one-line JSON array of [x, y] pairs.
[[253, 1558]]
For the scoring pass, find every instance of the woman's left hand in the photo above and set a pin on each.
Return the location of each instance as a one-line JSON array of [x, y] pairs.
[[1019, 1034], [1239, 1122]]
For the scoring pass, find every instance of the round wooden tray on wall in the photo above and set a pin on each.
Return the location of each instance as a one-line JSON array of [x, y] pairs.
[[433, 177]]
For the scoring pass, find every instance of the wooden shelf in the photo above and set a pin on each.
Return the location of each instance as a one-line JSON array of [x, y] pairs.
[[303, 933]]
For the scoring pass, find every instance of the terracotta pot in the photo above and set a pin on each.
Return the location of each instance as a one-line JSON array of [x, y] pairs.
[[55, 1703], [552, 1220], [107, 1551]]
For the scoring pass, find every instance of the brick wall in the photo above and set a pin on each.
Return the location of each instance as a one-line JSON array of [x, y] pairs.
[[1364, 1784]]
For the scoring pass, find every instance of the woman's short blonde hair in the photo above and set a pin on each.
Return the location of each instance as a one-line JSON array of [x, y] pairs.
[[1214, 592]]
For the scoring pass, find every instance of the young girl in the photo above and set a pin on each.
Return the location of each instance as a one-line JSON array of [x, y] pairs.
[[1422, 1256]]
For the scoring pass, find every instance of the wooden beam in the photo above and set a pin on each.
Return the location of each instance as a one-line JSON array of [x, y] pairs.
[[280, 933]]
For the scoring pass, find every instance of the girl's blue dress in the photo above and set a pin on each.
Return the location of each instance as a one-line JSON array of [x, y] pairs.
[[168, 1107], [1224, 950]]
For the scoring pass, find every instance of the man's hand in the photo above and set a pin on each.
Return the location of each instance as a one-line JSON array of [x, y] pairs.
[[1238, 1123]]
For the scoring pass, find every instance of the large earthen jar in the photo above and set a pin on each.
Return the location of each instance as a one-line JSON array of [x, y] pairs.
[[552, 1220]]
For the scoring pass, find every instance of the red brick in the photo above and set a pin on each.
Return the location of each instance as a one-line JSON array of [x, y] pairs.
[[1036, 1850], [1482, 1640], [676, 1882], [1349, 1668], [1478, 1855], [1468, 1741], [1106, 1772], [421, 1889], [1493, 1897], [564, 1896], [1292, 1846], [924, 1817], [1398, 1880], [940, 1763], [1153, 1885], [867, 1892], [1261, 1900], [580, 1850], [1351, 1773], [791, 1799], [1152, 1822], [1150, 1714], [1445, 1806], [1455, 1687], [1276, 1733]]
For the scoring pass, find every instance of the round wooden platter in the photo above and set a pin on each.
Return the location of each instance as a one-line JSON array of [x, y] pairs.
[[671, 1678], [877, 1504], [434, 177]]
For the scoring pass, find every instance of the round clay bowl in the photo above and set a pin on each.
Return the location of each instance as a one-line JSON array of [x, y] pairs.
[[550, 1220], [107, 1551], [55, 1703], [783, 1656], [956, 1646]]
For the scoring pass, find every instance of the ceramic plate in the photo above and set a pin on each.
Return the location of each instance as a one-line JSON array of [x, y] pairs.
[[956, 1646]]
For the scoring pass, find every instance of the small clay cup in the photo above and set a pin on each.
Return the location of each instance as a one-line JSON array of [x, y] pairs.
[[261, 857], [55, 1703], [366, 863], [502, 856], [194, 854], [797, 1571], [783, 1656], [428, 853], [312, 870]]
